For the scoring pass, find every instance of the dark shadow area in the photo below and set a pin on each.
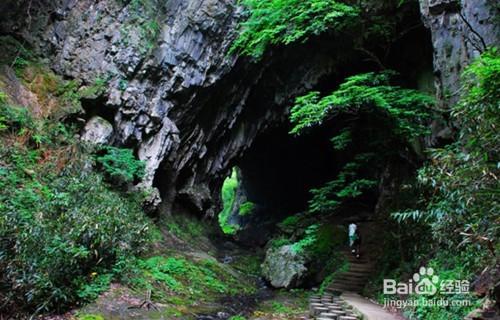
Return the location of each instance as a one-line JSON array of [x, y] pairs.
[[280, 169]]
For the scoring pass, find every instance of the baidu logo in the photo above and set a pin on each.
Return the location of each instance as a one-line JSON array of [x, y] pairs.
[[424, 282]]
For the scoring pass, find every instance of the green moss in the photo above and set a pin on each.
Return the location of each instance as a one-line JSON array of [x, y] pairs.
[[97, 88], [185, 227], [248, 264], [89, 317], [183, 281]]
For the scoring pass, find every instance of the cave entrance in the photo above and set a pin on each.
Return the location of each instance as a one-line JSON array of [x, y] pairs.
[[274, 178]]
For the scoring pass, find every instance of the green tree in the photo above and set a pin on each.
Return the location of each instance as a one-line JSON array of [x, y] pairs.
[[272, 22]]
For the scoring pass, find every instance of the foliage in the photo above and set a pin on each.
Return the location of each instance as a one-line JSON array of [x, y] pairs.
[[285, 21], [248, 263], [342, 140], [400, 114], [336, 265], [144, 23], [89, 317], [346, 186], [62, 229], [228, 195], [318, 240], [187, 228], [98, 283], [290, 221], [279, 242], [97, 88], [246, 208], [12, 118], [120, 164], [407, 108], [279, 307], [463, 176], [459, 198]]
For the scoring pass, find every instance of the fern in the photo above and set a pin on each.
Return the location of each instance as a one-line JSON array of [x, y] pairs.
[[273, 22], [363, 93]]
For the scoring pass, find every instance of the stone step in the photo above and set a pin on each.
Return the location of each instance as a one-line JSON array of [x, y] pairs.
[[350, 282], [352, 259], [342, 288], [355, 274], [317, 310], [346, 277], [347, 283], [360, 268]]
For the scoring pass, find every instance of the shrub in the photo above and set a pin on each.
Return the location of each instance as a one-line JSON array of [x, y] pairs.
[[62, 229], [120, 165], [13, 119], [195, 279], [55, 235], [407, 109]]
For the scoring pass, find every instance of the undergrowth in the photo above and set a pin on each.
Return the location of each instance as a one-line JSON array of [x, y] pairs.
[[63, 229]]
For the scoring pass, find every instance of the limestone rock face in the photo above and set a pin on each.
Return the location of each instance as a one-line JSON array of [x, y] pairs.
[[283, 267], [172, 91], [461, 30], [97, 130]]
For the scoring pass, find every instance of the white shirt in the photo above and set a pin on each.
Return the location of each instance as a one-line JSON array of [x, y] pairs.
[[352, 229]]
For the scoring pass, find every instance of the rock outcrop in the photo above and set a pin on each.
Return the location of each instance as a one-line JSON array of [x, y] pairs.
[[283, 267], [174, 94], [97, 130], [461, 30]]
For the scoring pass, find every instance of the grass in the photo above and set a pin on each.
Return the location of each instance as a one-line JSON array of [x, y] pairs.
[[183, 281]]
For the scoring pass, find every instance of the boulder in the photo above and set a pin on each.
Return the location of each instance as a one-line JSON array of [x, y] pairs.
[[97, 131], [283, 267]]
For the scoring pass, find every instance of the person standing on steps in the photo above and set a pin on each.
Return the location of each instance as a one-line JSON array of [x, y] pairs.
[[354, 239], [357, 243]]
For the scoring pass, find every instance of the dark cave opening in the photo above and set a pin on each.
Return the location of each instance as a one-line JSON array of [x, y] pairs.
[[278, 170]]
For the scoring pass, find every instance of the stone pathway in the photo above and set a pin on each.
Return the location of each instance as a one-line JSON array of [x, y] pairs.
[[330, 307], [355, 278], [368, 309], [343, 300], [347, 306]]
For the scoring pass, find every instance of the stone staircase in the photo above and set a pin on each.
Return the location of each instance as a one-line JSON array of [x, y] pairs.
[[355, 278], [330, 307]]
